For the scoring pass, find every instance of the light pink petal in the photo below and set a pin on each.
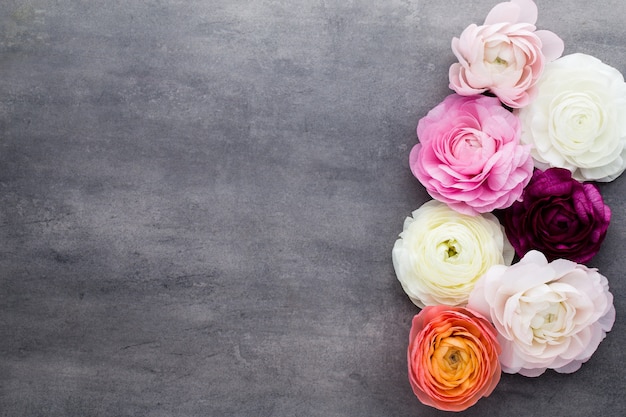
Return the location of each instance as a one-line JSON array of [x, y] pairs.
[[477, 298], [514, 11], [607, 321], [461, 208], [552, 46], [459, 83], [503, 12], [414, 158], [532, 373], [457, 52], [510, 360], [528, 11], [571, 367]]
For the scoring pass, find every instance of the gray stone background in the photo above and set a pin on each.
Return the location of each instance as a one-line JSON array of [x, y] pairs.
[[199, 199]]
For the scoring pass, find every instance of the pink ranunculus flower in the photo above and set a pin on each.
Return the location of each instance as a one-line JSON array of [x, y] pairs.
[[470, 156], [548, 315], [506, 55]]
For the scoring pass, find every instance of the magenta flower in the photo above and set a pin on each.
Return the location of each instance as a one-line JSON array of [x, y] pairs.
[[558, 216], [470, 156]]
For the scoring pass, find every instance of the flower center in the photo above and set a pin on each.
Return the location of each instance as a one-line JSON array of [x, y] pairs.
[[499, 56], [453, 357], [547, 323], [449, 360], [449, 248], [473, 142], [454, 362], [500, 61], [577, 119]]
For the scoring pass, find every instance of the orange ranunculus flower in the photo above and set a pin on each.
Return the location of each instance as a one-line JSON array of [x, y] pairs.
[[452, 357]]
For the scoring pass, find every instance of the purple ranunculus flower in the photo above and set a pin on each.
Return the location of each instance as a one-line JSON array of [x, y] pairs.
[[559, 216]]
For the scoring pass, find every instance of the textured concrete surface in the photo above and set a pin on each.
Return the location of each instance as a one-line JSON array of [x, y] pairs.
[[198, 201]]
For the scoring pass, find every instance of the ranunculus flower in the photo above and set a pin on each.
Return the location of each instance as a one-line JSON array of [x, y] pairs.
[[452, 357], [548, 315], [558, 216], [578, 119], [506, 55], [470, 156], [441, 253]]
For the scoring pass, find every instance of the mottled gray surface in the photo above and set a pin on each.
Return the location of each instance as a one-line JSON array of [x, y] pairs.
[[199, 199]]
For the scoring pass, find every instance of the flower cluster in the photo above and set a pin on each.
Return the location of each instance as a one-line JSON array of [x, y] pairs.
[[510, 159]]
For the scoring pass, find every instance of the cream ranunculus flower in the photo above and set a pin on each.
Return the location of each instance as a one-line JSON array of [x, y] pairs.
[[441, 253], [548, 315], [577, 120]]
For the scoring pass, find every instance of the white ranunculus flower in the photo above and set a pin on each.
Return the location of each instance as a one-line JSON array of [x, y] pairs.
[[548, 315], [441, 253], [577, 120]]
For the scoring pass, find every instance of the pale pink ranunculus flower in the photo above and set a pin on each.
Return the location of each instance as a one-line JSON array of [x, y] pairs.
[[548, 315], [506, 55], [470, 156]]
